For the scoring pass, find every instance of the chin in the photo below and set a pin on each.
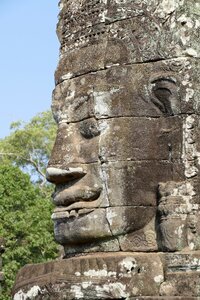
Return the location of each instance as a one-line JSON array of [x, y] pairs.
[[82, 229], [100, 224]]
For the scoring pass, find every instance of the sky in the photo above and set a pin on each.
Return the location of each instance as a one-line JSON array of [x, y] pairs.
[[28, 58]]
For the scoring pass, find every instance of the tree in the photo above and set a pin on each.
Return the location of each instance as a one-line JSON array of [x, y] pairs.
[[25, 224], [25, 206], [29, 145]]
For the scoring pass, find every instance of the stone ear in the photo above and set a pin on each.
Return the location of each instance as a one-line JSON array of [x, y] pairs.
[[164, 94]]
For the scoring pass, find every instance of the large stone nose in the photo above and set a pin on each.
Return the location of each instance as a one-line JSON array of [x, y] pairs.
[[72, 148], [56, 175], [65, 150]]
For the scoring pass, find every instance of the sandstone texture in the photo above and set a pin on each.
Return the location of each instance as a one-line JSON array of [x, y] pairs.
[[126, 159], [121, 275]]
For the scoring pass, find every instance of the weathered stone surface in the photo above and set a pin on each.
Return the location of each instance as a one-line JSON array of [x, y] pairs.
[[118, 139], [72, 228], [118, 275], [136, 183], [142, 240], [113, 276], [124, 33], [177, 217], [177, 267], [101, 94], [126, 159], [68, 229], [123, 139]]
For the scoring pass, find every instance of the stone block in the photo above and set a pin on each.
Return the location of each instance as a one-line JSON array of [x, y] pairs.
[[101, 276], [136, 183], [118, 139], [142, 240], [123, 139], [181, 274], [116, 91], [81, 229], [127, 32]]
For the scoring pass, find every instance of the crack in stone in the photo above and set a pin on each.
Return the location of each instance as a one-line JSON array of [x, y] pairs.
[[109, 225], [107, 22], [125, 117], [98, 163], [125, 64]]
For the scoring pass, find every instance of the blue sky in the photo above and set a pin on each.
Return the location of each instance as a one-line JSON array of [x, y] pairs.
[[28, 58]]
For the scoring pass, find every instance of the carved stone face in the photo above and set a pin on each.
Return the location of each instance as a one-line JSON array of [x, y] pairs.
[[120, 133], [126, 159], [123, 106]]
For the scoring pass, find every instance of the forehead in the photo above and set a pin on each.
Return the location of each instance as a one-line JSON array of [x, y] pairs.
[[113, 51], [99, 33], [128, 91]]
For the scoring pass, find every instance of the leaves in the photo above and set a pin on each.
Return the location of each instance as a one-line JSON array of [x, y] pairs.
[[25, 223], [29, 145], [25, 205]]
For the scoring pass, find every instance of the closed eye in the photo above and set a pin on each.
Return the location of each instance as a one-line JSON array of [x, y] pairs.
[[89, 128]]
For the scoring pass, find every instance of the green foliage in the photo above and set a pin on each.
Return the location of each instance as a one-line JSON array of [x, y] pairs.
[[25, 224], [29, 144], [25, 206]]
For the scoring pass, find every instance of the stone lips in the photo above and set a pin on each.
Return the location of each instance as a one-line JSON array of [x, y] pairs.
[[83, 229]]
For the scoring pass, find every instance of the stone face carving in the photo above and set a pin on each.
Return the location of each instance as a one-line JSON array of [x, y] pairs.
[[178, 217], [126, 158]]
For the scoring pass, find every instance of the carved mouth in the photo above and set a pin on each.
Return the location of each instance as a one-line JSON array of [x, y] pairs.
[[75, 210], [71, 214]]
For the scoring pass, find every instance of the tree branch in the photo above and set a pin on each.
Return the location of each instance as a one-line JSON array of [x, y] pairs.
[[30, 161]]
